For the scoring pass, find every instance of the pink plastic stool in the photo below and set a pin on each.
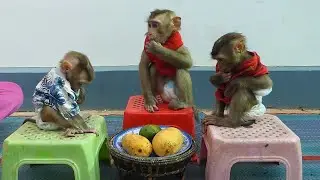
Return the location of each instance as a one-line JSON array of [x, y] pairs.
[[269, 140]]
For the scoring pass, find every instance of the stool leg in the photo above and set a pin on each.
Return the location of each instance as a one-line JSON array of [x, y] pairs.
[[104, 152], [195, 159], [97, 169], [87, 171], [218, 167], [203, 150], [10, 169], [294, 169], [218, 172]]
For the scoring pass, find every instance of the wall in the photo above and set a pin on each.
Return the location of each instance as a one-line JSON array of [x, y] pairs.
[[293, 86], [36, 33]]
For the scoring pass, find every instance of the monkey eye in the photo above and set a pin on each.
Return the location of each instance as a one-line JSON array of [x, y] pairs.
[[153, 24]]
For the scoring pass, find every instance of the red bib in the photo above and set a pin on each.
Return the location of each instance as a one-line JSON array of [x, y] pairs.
[[174, 42], [251, 67]]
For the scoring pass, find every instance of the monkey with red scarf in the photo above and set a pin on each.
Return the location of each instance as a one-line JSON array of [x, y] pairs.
[[164, 59], [241, 80]]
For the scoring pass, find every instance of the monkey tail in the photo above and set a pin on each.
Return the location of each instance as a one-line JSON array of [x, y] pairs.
[[29, 120], [196, 113]]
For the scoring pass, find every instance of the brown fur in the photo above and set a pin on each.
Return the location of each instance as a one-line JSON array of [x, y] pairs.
[[84, 65], [230, 50], [79, 72], [167, 22]]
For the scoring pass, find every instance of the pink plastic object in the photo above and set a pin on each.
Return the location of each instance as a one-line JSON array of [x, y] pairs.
[[270, 140]]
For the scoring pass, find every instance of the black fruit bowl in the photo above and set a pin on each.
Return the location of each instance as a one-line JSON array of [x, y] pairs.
[[150, 166]]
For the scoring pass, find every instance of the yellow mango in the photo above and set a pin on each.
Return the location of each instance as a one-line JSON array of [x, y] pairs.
[[136, 145], [167, 142]]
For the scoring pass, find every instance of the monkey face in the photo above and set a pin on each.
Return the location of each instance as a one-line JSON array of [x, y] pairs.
[[154, 32], [161, 26], [78, 69], [77, 78], [225, 60], [229, 50], [158, 31], [227, 57]]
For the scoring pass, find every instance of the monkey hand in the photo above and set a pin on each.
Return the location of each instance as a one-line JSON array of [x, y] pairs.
[[232, 87], [220, 78], [90, 131], [153, 47], [71, 132], [225, 77], [150, 104]]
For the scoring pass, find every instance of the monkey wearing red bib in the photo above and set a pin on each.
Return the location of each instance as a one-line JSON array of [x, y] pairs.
[[165, 59], [241, 80]]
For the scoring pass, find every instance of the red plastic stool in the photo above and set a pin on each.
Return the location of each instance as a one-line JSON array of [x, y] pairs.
[[136, 115]]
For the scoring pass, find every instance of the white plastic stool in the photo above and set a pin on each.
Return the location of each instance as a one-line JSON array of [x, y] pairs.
[[270, 140]]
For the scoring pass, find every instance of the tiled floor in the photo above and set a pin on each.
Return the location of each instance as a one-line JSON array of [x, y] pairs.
[[305, 126]]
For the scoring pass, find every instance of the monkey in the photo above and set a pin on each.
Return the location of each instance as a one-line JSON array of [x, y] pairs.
[[57, 96], [241, 81], [165, 59]]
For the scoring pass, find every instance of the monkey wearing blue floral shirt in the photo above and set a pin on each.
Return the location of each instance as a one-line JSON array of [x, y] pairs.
[[57, 96]]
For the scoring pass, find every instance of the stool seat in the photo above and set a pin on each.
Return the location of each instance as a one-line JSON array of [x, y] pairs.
[[30, 145], [136, 115], [269, 140]]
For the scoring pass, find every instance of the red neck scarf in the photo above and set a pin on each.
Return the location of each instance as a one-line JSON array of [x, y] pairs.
[[251, 67], [174, 42]]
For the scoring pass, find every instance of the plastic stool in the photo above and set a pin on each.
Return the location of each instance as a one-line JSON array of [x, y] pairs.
[[30, 145], [136, 115], [269, 140]]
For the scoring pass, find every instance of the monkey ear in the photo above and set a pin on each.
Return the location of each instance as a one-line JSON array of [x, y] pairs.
[[239, 45], [66, 66], [176, 23]]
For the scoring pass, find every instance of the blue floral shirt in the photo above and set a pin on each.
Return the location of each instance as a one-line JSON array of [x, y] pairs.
[[55, 91]]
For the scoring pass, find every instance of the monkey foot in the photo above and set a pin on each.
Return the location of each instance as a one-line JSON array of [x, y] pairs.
[[151, 108], [212, 120], [151, 104], [248, 123], [175, 104], [215, 120], [224, 122]]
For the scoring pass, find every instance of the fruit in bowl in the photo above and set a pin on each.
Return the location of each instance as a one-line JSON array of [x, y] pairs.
[[136, 145], [151, 138], [167, 142], [149, 131]]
